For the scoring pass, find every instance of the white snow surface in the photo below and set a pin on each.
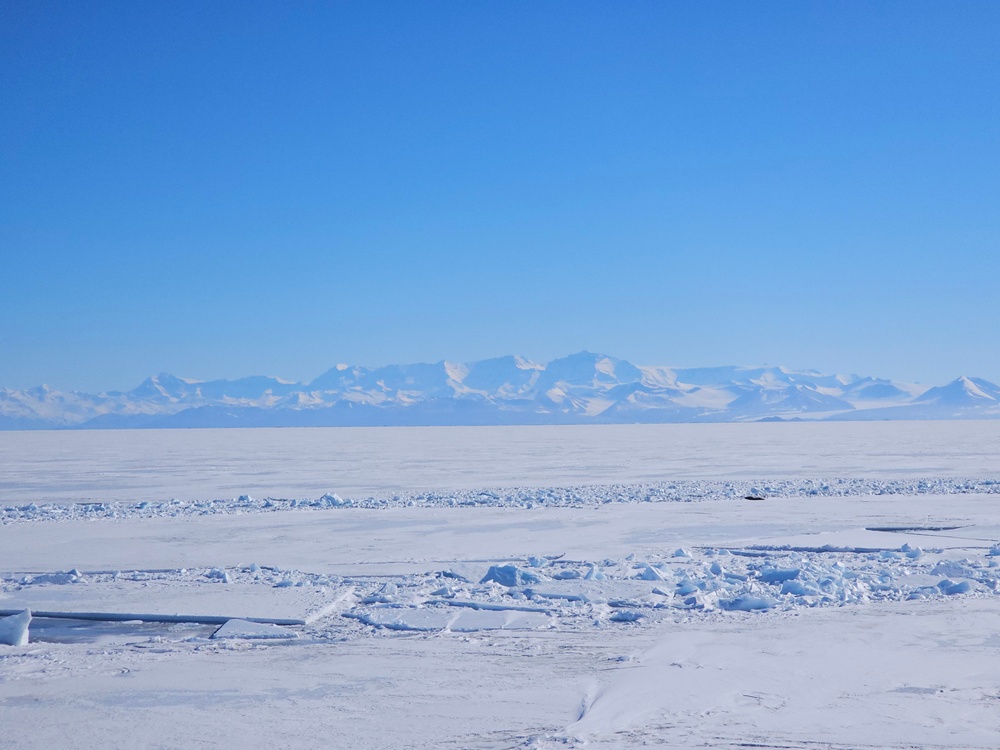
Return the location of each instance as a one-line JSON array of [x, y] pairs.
[[791, 601], [203, 465]]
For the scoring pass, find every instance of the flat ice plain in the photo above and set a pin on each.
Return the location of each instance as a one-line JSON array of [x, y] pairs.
[[533, 587]]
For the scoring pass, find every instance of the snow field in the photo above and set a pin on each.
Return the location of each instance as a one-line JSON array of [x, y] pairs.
[[755, 637], [855, 611], [193, 466]]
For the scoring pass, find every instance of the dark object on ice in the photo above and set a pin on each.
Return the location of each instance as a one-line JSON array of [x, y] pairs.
[[753, 497]]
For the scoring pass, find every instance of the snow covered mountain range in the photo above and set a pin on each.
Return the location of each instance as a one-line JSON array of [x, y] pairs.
[[578, 389]]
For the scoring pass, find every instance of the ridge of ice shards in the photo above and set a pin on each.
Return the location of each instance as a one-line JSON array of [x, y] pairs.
[[685, 491], [711, 582]]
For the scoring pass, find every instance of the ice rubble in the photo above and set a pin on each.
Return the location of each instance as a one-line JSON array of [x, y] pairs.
[[516, 497], [710, 581], [540, 593], [550, 591]]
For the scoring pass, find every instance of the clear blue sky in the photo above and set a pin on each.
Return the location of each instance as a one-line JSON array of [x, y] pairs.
[[231, 188]]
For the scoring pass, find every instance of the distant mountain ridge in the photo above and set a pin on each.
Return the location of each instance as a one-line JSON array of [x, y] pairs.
[[582, 388]]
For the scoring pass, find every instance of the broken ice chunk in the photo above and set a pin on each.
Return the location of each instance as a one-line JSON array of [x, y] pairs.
[[778, 575], [746, 603], [219, 574], [626, 615], [509, 575], [649, 573], [14, 629]]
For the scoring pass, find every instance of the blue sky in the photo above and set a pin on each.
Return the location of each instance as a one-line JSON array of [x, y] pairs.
[[223, 189]]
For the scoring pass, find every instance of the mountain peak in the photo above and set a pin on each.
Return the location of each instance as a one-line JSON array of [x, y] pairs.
[[962, 391], [580, 388], [590, 370]]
